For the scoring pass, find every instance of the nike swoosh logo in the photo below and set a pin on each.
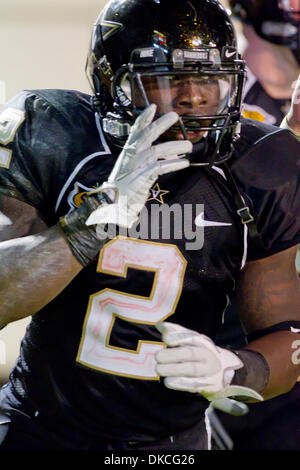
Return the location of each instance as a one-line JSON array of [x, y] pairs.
[[229, 54], [200, 222], [295, 330]]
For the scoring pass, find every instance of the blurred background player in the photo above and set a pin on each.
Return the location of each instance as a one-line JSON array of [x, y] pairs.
[[272, 54], [270, 43]]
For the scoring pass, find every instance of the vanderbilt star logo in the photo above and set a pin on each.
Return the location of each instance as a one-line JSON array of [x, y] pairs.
[[108, 27], [156, 194], [112, 27]]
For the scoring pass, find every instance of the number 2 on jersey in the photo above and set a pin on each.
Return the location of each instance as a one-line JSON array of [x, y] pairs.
[[10, 121], [105, 306]]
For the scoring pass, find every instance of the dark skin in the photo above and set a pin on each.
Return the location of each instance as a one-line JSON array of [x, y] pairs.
[[268, 292], [189, 96], [33, 255], [40, 258]]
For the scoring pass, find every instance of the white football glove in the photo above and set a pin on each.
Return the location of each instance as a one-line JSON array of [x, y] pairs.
[[138, 167], [193, 363]]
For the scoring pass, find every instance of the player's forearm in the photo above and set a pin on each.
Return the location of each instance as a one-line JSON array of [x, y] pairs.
[[33, 271], [281, 350]]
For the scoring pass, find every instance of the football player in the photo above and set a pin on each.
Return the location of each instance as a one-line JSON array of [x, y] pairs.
[[120, 352], [272, 54], [272, 57]]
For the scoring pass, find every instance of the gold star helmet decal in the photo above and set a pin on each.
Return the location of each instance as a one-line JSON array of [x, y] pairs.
[[108, 27], [156, 194]]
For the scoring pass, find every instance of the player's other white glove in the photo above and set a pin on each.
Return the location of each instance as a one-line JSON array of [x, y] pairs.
[[193, 363], [137, 168]]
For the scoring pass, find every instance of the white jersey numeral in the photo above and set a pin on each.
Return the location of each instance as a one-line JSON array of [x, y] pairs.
[[105, 306], [10, 120]]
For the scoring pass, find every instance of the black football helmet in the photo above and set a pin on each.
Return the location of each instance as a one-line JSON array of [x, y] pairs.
[[276, 21], [156, 51]]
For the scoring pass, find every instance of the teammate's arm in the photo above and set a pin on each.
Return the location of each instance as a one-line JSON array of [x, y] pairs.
[[268, 293]]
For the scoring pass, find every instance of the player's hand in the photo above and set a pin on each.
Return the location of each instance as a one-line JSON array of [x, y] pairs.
[[192, 362], [120, 199], [138, 167]]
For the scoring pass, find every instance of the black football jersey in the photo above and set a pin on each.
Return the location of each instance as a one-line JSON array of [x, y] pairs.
[[87, 358], [260, 106]]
